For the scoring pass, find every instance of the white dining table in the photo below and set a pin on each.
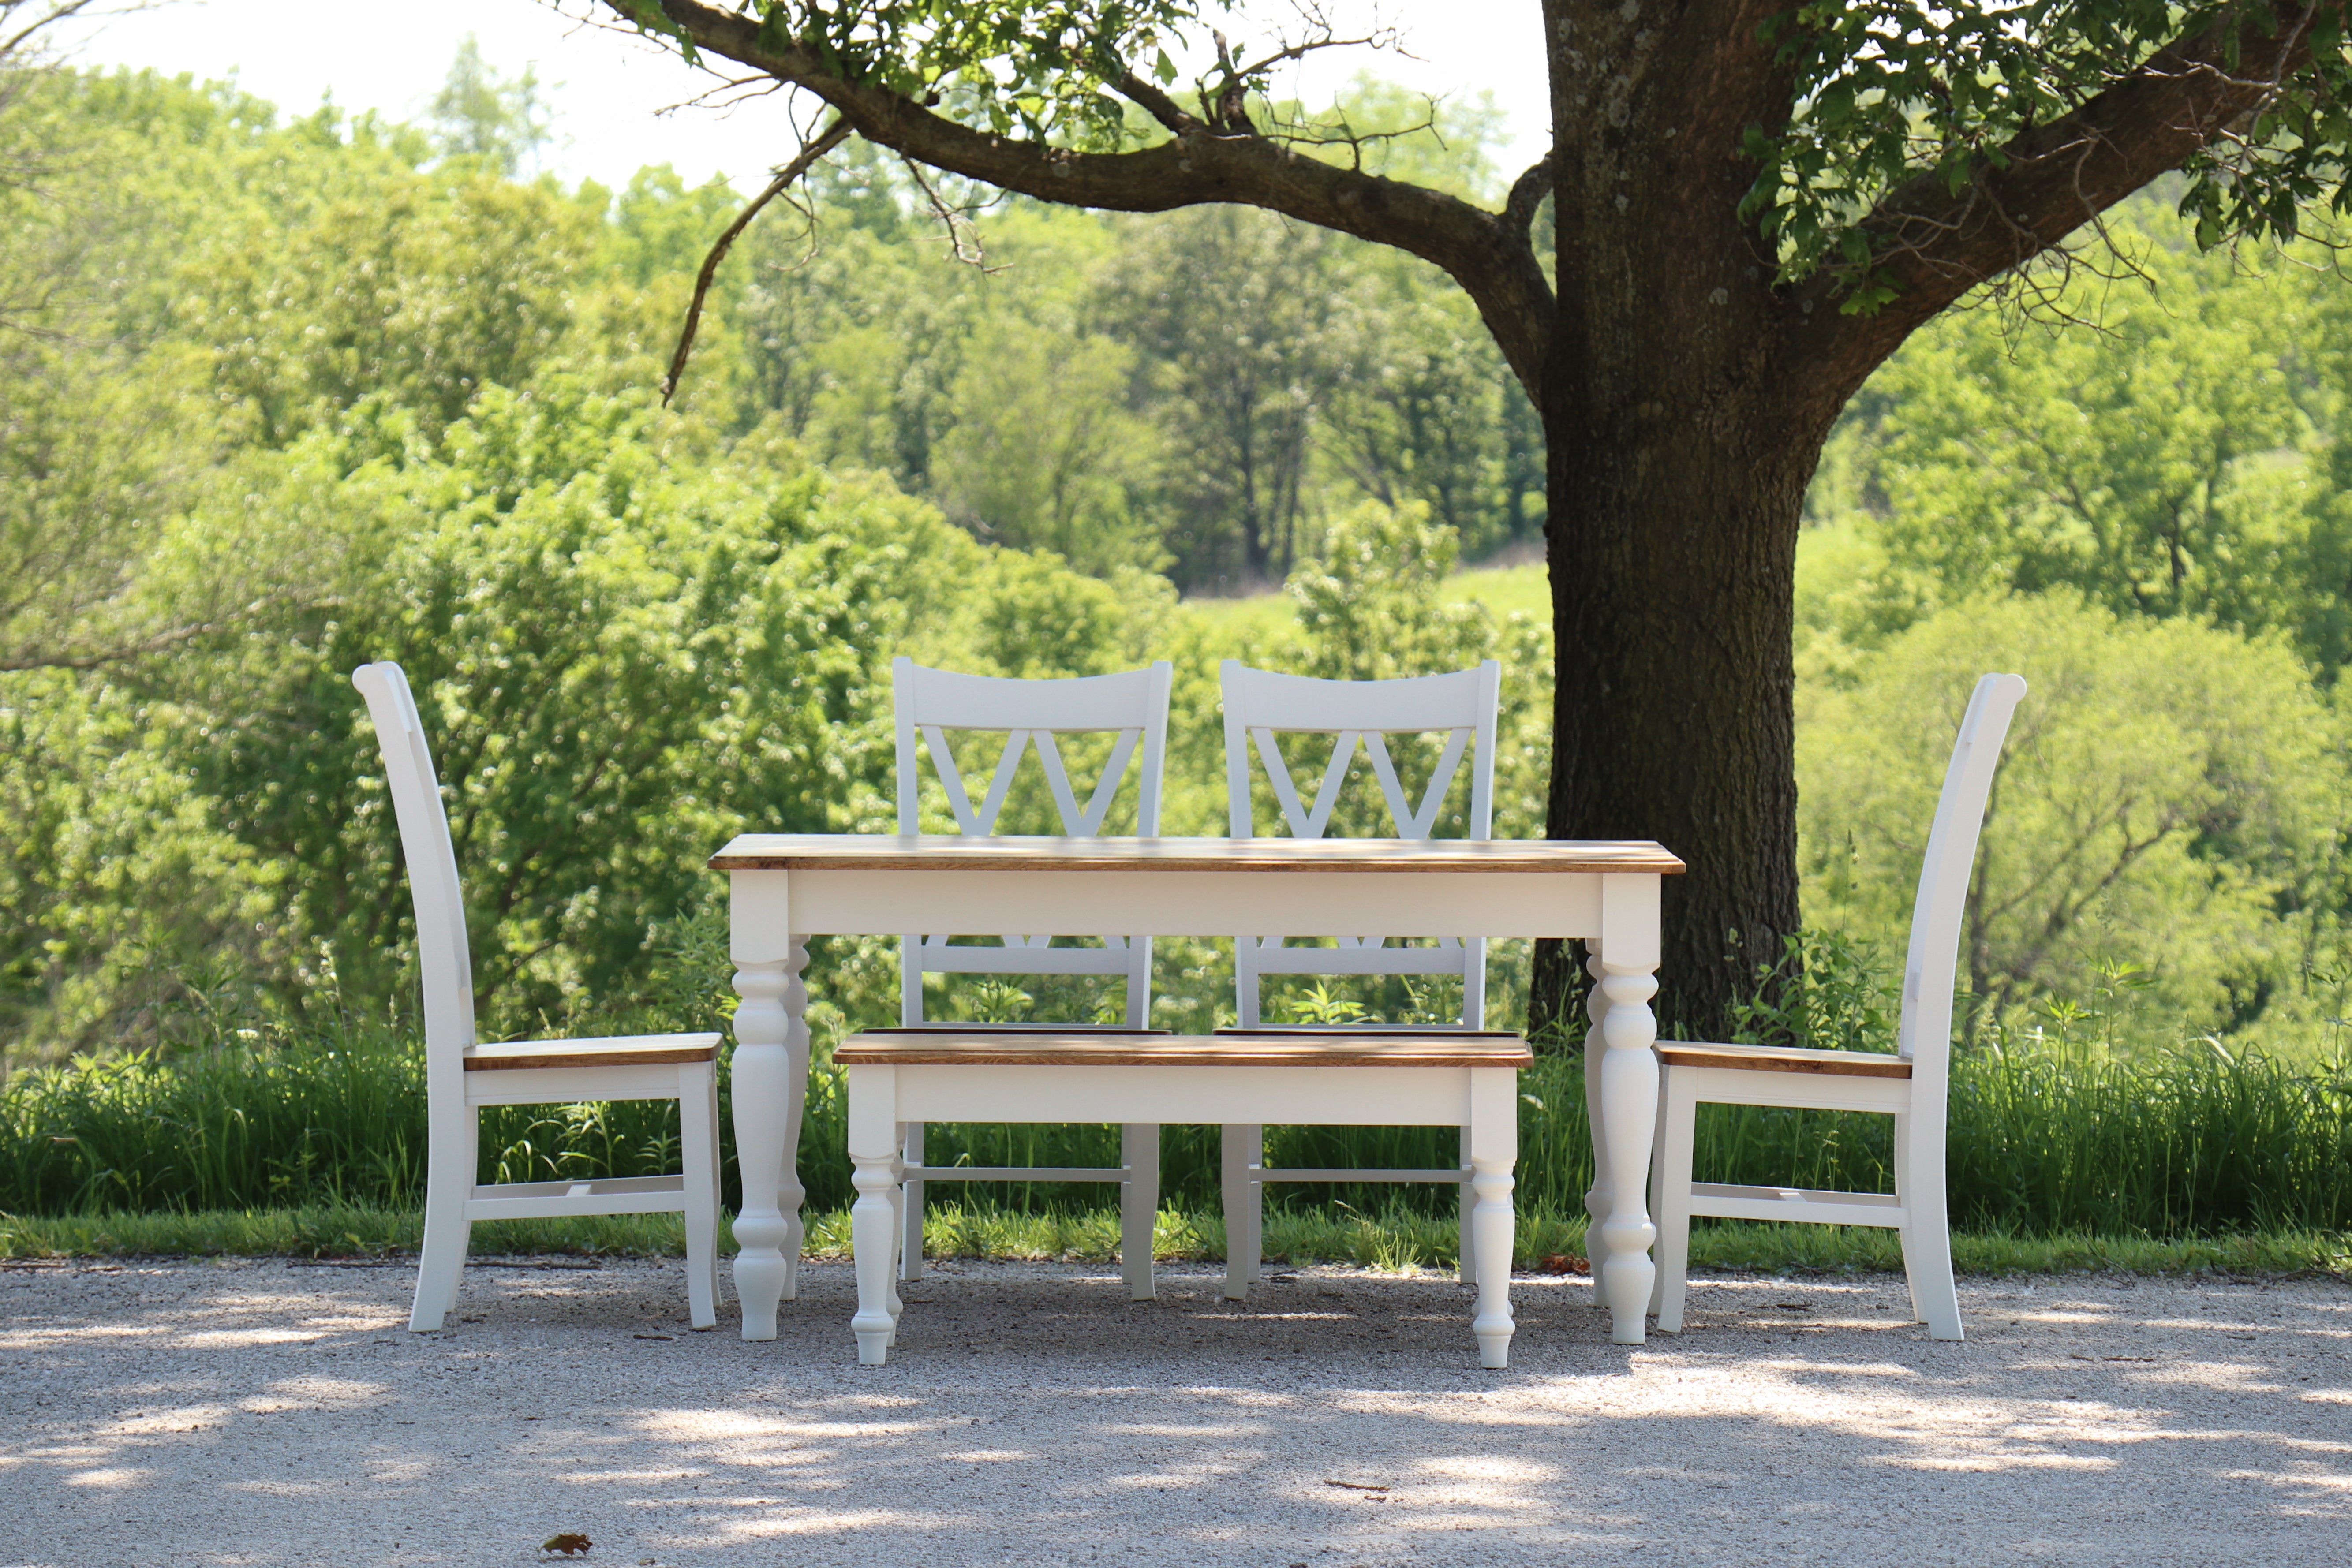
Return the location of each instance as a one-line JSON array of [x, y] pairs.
[[787, 887]]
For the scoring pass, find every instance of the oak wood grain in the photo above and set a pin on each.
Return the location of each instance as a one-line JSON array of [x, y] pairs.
[[951, 852], [982, 1049], [1783, 1059], [630, 1051]]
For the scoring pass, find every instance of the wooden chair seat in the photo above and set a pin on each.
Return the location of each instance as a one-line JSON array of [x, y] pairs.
[[1282, 1049], [624, 1050], [1783, 1059]]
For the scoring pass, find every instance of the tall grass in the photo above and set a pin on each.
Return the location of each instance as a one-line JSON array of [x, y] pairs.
[[2048, 1138]]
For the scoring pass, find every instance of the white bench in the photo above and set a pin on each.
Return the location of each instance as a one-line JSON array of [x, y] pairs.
[[1436, 1080]]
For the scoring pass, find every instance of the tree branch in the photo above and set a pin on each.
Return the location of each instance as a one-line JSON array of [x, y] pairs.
[[831, 136], [1495, 266], [1527, 193], [2051, 180]]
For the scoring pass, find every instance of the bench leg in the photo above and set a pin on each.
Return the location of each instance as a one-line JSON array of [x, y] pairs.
[[1244, 1156], [1493, 1134], [874, 1219], [1139, 1206]]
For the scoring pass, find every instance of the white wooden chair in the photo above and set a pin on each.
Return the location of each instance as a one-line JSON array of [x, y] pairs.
[[1261, 706], [1133, 704], [1911, 1085], [462, 1075]]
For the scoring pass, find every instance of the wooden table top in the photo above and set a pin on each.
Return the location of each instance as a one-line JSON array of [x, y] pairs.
[[953, 852]]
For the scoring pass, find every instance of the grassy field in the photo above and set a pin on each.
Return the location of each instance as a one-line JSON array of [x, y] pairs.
[[1501, 588]]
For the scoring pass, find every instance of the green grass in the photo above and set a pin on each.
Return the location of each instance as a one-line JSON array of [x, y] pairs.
[[2173, 1145], [1396, 1241], [1503, 589]]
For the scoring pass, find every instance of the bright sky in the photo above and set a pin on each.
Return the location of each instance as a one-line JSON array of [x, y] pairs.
[[607, 89]]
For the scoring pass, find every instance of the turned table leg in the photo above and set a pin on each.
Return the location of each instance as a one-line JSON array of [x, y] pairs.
[[771, 1085], [1596, 1046], [1622, 1270]]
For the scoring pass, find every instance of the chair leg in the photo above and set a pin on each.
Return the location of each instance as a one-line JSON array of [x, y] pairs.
[[1244, 1156], [1467, 1246], [1139, 1206], [910, 1216], [697, 1137], [1926, 1230], [1669, 1193], [448, 1181]]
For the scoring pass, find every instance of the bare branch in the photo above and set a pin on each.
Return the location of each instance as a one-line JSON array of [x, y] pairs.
[[831, 136], [962, 239]]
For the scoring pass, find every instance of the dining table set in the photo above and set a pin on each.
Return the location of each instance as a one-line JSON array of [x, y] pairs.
[[786, 888], [1413, 904]]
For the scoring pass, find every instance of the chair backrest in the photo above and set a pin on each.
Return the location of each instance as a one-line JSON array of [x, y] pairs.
[[1132, 706], [441, 950], [1261, 704], [1930, 969]]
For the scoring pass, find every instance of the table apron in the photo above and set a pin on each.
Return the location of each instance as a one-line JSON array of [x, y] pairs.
[[1191, 903], [1289, 1096]]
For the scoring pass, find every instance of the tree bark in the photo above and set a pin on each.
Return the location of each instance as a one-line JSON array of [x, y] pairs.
[[1679, 449], [1673, 552]]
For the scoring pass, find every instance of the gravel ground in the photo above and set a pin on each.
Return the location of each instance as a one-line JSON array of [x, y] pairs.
[[264, 1412]]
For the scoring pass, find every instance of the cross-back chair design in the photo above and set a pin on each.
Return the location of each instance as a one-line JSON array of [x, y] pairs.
[[1262, 706], [462, 1074], [1911, 1085], [1132, 706]]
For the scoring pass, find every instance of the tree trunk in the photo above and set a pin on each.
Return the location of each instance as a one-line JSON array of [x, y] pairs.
[[1672, 550], [1680, 435]]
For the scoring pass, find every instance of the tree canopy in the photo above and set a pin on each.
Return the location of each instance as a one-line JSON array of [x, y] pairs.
[[1753, 205]]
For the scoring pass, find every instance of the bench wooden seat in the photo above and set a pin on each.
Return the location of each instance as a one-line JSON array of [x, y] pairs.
[[1783, 1059], [1027, 1049], [624, 1050]]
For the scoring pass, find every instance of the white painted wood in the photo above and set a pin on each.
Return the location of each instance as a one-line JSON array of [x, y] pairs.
[[928, 704], [1482, 1101], [1493, 1135], [1303, 1096], [1622, 1270], [454, 1096], [770, 1088], [809, 883], [1242, 1166], [1916, 1206], [1262, 706], [1256, 903]]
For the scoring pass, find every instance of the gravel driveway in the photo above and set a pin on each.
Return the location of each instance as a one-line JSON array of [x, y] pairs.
[[263, 1412]]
